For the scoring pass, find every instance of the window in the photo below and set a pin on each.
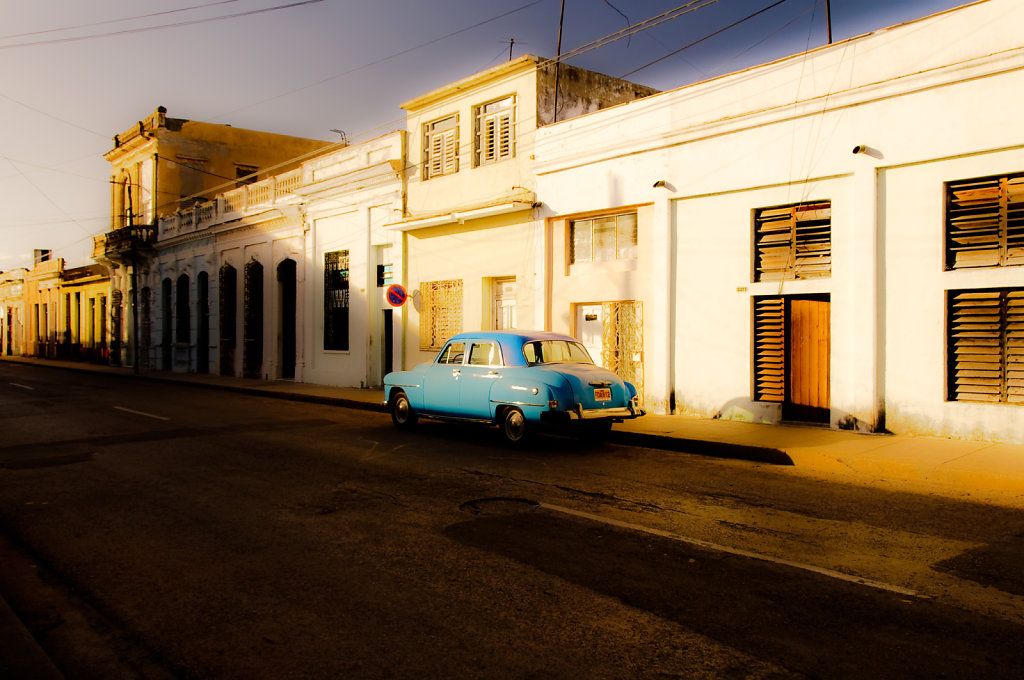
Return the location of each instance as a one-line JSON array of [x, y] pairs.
[[336, 300], [440, 312], [985, 345], [603, 239], [793, 242], [484, 354], [245, 174], [495, 132], [985, 222], [452, 354], [504, 307], [441, 147]]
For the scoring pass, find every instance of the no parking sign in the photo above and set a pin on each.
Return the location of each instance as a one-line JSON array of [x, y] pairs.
[[396, 295]]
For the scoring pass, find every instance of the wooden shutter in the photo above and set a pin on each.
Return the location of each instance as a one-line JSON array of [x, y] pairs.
[[985, 222], [986, 345], [769, 349], [1014, 343], [793, 242]]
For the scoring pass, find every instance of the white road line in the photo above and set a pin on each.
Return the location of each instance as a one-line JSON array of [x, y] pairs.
[[140, 413], [24, 387], [736, 551]]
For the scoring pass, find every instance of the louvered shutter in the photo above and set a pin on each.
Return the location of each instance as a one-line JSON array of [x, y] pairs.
[[985, 222], [769, 349], [986, 345], [1014, 342], [793, 242]]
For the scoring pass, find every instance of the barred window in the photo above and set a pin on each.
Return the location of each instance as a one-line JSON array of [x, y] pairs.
[[495, 131], [793, 241], [985, 345], [603, 239], [440, 312], [336, 300], [441, 147], [985, 222]]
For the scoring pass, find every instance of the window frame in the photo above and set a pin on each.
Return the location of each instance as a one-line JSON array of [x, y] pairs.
[[337, 298], [632, 246], [448, 152], [807, 249], [441, 312], [985, 345], [983, 222], [487, 142]]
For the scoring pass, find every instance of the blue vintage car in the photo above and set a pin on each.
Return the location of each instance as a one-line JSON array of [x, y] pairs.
[[518, 380]]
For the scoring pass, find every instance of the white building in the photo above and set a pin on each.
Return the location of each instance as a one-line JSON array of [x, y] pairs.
[[285, 272], [836, 236]]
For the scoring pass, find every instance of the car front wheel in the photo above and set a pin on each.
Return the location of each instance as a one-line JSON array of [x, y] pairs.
[[514, 427], [402, 414]]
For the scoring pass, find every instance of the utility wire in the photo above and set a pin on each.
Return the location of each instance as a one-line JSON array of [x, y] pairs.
[[113, 21], [387, 58], [706, 37], [144, 29]]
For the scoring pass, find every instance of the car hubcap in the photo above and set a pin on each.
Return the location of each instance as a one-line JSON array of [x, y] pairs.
[[515, 426], [402, 410]]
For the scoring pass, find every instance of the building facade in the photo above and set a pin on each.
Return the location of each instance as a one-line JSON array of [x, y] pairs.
[[472, 239], [835, 237]]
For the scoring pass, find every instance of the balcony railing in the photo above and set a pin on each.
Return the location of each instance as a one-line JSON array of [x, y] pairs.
[[122, 245]]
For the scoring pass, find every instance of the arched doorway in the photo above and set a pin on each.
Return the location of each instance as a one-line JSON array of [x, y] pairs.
[[228, 318], [286, 293], [183, 324], [203, 325], [252, 358], [166, 338]]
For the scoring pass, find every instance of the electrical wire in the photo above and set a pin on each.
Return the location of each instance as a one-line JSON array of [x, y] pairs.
[[706, 37], [114, 21], [144, 29]]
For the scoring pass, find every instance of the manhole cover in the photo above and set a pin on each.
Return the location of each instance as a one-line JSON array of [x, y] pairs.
[[499, 506]]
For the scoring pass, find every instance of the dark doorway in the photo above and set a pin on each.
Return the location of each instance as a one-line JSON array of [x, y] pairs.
[[166, 338], [203, 330], [252, 358], [286, 286], [389, 342], [228, 318]]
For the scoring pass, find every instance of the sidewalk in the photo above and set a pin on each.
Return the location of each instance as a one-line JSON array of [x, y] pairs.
[[979, 471]]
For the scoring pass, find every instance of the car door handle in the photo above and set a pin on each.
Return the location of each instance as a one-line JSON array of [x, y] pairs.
[[456, 372], [493, 373]]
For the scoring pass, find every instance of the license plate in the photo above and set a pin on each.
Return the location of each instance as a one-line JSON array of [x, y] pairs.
[[602, 394]]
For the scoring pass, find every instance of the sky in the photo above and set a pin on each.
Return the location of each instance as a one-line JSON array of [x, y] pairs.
[[73, 74]]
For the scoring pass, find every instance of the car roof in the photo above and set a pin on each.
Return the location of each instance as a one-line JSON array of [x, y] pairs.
[[512, 336]]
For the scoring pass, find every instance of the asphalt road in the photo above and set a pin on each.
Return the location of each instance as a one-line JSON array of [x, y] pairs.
[[166, 531]]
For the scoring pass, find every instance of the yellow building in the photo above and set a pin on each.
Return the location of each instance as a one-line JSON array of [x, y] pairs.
[[12, 311], [85, 295]]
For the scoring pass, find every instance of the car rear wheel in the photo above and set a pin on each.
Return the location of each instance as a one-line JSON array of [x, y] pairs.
[[514, 427], [402, 414]]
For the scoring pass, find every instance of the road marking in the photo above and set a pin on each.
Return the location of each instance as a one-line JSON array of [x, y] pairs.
[[736, 551], [24, 387], [140, 413]]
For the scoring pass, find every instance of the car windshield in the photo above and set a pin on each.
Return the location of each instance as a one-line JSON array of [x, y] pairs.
[[555, 352]]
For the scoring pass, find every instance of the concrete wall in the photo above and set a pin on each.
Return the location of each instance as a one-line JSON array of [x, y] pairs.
[[931, 101]]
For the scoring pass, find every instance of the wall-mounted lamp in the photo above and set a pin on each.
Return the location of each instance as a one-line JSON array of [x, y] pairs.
[[660, 183], [861, 148]]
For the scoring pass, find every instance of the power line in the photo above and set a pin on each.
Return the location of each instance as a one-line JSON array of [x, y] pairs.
[[387, 58], [706, 37], [129, 31], [113, 21]]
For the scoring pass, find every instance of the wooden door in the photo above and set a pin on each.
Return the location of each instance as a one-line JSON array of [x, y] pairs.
[[807, 377]]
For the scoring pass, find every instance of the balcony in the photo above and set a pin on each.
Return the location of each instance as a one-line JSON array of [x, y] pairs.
[[121, 246]]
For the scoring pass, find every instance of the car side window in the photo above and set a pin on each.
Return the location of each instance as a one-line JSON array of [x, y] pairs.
[[484, 354], [452, 354]]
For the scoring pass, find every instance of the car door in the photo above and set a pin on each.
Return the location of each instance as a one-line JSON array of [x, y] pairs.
[[442, 381], [483, 367]]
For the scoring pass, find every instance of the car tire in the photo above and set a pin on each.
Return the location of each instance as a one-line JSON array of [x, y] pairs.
[[514, 426], [402, 415]]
